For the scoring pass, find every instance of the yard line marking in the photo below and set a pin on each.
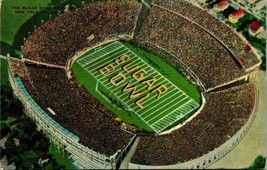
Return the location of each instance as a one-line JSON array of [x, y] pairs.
[[180, 116], [133, 111], [140, 89], [158, 127], [161, 74], [133, 82], [97, 60], [120, 45], [104, 57], [111, 61], [165, 122], [127, 74], [151, 97], [154, 98], [81, 60], [91, 57], [162, 94], [101, 51], [155, 85], [90, 66], [158, 103], [152, 72], [166, 110], [119, 87], [171, 112]]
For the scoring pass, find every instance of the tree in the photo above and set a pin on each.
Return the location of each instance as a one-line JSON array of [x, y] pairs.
[[40, 142], [12, 152], [59, 166], [11, 146], [23, 147], [15, 132], [29, 158], [2, 152], [259, 163], [6, 91], [6, 96], [24, 137], [16, 159], [52, 164], [36, 166], [263, 64], [15, 107], [33, 144], [28, 125], [43, 145], [5, 129], [10, 106]]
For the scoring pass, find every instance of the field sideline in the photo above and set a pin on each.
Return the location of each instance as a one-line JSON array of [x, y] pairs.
[[130, 83]]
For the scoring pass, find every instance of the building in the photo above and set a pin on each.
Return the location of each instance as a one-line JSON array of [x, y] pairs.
[[255, 7], [255, 28], [236, 15], [221, 6]]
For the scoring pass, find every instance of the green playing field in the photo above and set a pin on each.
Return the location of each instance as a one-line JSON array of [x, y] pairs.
[[133, 85]]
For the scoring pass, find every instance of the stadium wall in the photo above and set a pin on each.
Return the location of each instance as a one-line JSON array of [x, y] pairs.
[[213, 156], [84, 157]]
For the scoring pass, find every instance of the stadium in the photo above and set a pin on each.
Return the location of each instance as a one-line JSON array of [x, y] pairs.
[[165, 75]]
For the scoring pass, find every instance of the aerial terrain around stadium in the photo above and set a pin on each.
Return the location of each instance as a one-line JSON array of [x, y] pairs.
[[163, 81]]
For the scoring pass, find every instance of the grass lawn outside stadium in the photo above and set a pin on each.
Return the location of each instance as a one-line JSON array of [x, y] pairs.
[[4, 71], [136, 85]]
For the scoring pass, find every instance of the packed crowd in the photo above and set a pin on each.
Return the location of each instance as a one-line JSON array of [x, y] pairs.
[[76, 109], [16, 68], [59, 39], [230, 38], [197, 49], [223, 115], [82, 114]]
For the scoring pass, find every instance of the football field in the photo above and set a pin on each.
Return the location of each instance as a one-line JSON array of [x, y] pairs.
[[130, 83]]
